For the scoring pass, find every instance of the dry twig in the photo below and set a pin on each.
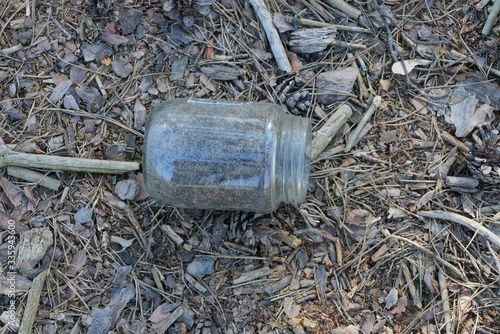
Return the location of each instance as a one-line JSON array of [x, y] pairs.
[[354, 136], [469, 223], [273, 37], [492, 16]]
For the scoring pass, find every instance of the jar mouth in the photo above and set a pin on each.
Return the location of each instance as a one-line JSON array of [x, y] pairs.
[[294, 159]]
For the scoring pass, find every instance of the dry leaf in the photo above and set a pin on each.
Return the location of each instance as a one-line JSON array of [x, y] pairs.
[[351, 329], [391, 192], [401, 305], [420, 105], [429, 280], [396, 213], [397, 67], [465, 114], [359, 217]]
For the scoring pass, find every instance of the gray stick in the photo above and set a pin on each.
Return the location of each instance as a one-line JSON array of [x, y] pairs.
[[50, 162], [272, 35]]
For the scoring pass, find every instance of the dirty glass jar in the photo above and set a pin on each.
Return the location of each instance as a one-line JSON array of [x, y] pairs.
[[226, 155]]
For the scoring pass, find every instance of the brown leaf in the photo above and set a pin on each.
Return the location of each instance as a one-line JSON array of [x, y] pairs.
[[401, 306], [430, 281]]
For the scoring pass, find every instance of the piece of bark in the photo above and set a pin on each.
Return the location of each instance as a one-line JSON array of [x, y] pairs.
[[169, 321], [221, 72], [335, 86], [32, 303], [32, 246], [312, 40]]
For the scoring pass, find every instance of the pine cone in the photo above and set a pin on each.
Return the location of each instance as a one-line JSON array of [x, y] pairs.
[[484, 157]]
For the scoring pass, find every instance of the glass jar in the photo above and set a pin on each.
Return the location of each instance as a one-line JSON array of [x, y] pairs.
[[226, 155]]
